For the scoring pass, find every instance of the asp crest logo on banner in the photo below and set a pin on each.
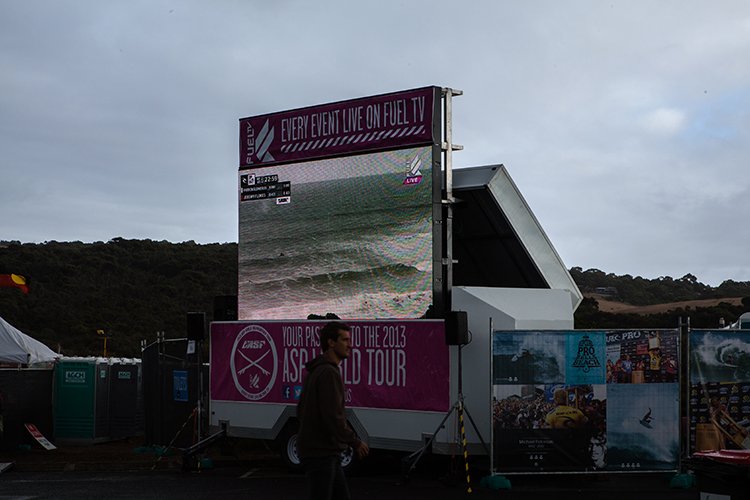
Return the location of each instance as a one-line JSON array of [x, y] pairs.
[[254, 348], [393, 364]]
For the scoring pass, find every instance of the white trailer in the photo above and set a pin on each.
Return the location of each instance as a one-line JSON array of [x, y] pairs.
[[507, 276]]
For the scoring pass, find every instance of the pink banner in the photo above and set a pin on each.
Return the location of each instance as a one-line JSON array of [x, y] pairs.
[[400, 119], [394, 364]]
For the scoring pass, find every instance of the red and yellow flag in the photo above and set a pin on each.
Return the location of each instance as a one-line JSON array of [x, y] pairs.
[[14, 281]]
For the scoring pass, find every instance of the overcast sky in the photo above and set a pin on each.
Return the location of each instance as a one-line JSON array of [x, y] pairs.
[[625, 124]]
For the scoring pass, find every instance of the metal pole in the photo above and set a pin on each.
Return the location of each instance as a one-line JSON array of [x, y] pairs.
[[492, 406], [448, 147], [159, 426], [447, 143], [684, 384], [460, 374], [199, 346]]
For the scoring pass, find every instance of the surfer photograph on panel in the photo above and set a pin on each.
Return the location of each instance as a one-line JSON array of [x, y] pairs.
[[528, 357], [563, 427], [643, 426], [642, 356], [352, 237], [719, 356]]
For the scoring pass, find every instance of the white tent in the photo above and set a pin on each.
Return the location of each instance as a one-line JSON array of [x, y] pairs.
[[17, 347]]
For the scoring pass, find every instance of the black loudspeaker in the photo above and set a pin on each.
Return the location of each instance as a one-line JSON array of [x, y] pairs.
[[225, 308], [196, 326], [456, 328]]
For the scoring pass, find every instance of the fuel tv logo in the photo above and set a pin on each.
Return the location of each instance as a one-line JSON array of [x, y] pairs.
[[258, 144]]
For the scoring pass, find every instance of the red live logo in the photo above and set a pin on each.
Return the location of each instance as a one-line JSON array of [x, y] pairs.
[[413, 180]]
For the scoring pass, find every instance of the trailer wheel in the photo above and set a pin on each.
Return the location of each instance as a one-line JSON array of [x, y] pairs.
[[290, 455], [348, 460], [288, 449]]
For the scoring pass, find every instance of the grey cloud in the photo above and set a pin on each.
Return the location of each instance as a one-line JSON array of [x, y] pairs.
[[623, 123]]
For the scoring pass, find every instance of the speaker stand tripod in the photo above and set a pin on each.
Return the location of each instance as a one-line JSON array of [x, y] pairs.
[[460, 408]]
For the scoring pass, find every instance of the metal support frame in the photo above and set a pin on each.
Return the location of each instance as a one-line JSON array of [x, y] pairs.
[[447, 201], [447, 193], [490, 399], [461, 409], [188, 454], [683, 379]]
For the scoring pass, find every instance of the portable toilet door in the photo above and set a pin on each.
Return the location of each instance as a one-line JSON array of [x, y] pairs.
[[123, 399], [81, 394], [74, 396]]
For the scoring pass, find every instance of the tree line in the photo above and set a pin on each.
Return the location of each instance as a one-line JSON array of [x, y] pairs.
[[664, 289], [132, 289]]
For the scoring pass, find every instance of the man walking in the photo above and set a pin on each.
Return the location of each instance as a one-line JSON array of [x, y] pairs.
[[323, 430]]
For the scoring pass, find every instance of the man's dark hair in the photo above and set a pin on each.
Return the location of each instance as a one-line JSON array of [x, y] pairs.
[[331, 331]]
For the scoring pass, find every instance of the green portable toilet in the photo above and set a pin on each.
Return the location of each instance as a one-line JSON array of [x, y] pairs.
[[81, 399]]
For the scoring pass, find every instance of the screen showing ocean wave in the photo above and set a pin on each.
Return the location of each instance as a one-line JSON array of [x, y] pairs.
[[354, 237], [362, 306]]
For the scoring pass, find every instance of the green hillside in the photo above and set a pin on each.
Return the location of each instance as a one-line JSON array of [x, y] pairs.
[[129, 288], [135, 288]]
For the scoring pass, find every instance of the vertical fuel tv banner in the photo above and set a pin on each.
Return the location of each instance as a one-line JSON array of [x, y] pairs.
[[719, 404], [558, 406], [336, 209], [393, 365]]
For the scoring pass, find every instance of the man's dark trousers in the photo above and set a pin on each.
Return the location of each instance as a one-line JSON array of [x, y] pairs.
[[325, 478]]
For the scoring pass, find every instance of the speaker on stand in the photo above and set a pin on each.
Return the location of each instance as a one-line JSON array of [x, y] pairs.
[[456, 333], [456, 328]]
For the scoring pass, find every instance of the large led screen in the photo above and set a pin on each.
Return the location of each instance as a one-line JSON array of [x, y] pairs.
[[350, 236]]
